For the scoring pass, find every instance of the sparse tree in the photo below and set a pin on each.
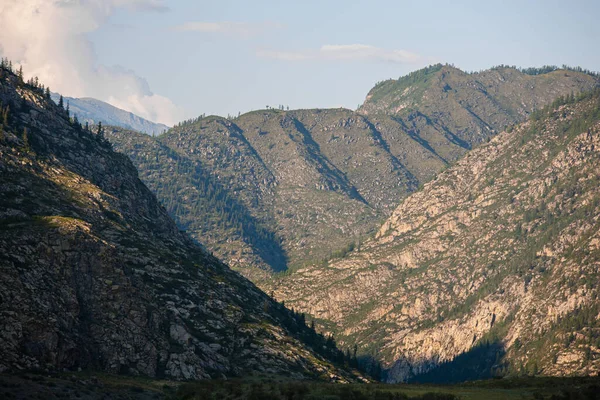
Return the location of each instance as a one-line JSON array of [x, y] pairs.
[[20, 74], [100, 133], [47, 94], [61, 102]]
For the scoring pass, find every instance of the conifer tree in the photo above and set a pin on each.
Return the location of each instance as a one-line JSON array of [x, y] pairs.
[[100, 132], [61, 102]]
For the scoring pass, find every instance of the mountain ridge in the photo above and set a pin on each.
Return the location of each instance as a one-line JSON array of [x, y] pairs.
[[317, 181]]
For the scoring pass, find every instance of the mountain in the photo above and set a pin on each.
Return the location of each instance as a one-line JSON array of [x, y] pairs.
[[490, 269], [470, 105], [95, 275], [93, 111], [274, 190]]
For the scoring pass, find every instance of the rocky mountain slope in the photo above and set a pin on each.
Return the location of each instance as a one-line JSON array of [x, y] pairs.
[[93, 111], [492, 268], [290, 188], [94, 274]]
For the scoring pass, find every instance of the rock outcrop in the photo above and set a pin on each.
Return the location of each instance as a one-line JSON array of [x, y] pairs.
[[499, 255]]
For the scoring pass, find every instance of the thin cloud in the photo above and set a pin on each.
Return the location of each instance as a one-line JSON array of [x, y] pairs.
[[285, 55], [146, 5], [237, 29], [346, 52]]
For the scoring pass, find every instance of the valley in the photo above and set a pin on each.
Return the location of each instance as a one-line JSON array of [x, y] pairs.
[[438, 254]]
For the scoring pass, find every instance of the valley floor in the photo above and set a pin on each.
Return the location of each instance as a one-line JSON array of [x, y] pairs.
[[87, 386]]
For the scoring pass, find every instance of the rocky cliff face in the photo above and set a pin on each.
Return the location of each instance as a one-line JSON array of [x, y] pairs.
[[94, 274], [297, 187], [496, 261]]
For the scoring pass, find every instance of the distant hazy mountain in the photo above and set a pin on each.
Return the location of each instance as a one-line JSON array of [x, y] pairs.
[[94, 111]]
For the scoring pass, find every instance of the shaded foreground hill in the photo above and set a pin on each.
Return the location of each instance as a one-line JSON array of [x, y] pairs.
[[276, 189], [495, 261], [95, 275]]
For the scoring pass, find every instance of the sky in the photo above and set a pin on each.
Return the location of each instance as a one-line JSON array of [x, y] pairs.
[[169, 60]]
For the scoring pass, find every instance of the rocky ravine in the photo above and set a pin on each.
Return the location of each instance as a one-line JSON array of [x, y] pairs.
[[277, 189], [94, 274], [501, 252]]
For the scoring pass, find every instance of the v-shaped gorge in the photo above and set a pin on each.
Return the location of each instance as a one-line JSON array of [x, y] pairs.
[[489, 269]]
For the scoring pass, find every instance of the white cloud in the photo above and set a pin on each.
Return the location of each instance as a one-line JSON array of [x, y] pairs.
[[49, 39], [238, 29], [347, 52]]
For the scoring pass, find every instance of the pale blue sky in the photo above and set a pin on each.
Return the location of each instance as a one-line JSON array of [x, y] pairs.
[[220, 57]]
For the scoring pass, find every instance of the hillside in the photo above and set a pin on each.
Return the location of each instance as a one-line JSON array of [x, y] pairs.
[[291, 188], [93, 111], [471, 106], [490, 269], [95, 275]]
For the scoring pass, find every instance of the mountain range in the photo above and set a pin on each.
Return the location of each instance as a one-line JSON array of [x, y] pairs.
[[275, 190]]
